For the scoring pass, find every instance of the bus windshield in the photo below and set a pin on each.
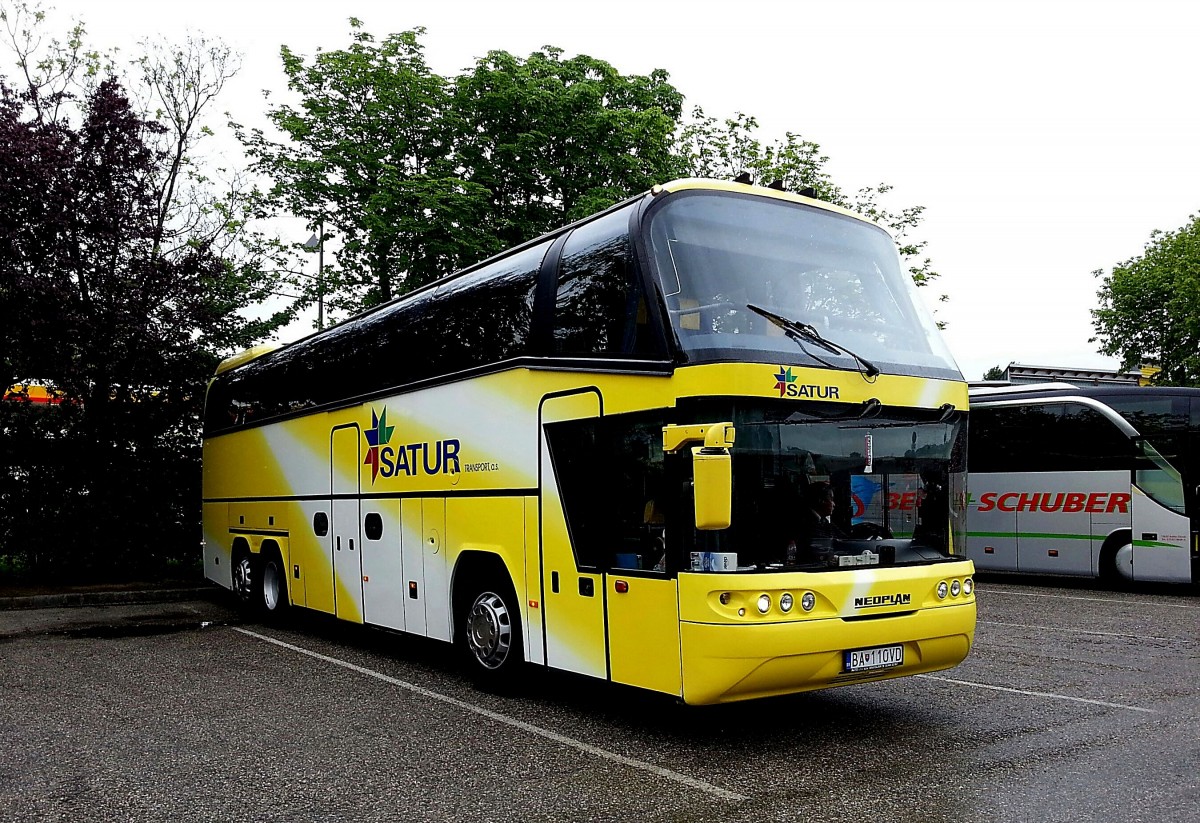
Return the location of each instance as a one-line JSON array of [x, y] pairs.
[[718, 254], [893, 485]]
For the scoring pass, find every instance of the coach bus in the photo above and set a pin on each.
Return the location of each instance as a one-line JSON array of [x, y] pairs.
[[590, 453], [1098, 481]]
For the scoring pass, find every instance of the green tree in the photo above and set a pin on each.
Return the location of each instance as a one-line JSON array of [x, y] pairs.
[[120, 295], [1149, 307], [417, 175], [554, 140], [994, 373], [367, 154]]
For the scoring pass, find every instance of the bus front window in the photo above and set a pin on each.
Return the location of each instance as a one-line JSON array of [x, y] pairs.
[[732, 267]]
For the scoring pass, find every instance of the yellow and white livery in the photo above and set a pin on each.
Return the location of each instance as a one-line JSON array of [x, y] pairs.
[[607, 451]]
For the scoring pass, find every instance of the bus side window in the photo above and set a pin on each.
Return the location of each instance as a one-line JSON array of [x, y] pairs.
[[599, 308], [1088, 441]]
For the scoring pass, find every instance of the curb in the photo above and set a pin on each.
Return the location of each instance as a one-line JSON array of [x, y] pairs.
[[111, 598]]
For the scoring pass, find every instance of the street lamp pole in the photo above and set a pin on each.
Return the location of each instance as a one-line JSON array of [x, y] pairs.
[[317, 241], [321, 276]]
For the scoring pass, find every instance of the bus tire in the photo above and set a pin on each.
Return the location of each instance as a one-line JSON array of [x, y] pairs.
[[272, 588], [1116, 557], [243, 574], [490, 632]]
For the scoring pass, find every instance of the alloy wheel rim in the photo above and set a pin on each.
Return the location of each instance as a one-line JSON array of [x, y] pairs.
[[271, 587], [489, 630], [242, 579]]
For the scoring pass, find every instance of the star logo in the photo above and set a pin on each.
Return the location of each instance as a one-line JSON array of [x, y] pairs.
[[378, 435], [783, 378]]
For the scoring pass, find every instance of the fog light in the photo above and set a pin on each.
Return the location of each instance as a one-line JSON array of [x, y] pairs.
[[968, 586], [785, 602], [725, 598], [955, 588], [764, 603], [808, 601], [942, 590]]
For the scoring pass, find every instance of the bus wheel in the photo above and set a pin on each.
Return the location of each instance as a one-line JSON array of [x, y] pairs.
[[1116, 557], [243, 577], [492, 635], [273, 593]]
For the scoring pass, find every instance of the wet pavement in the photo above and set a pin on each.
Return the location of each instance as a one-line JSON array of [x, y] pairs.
[[1078, 703]]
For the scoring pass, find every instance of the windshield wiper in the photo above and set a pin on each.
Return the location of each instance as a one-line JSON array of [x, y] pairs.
[[806, 332]]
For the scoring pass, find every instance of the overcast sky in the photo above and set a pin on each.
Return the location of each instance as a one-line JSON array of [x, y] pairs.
[[1045, 139]]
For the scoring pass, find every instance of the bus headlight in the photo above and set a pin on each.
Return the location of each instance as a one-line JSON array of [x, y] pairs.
[[968, 586], [955, 588], [808, 601], [785, 602], [942, 590], [764, 603]]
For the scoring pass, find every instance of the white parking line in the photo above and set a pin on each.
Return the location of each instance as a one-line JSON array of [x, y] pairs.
[[1028, 693], [1086, 631], [990, 592], [578, 745]]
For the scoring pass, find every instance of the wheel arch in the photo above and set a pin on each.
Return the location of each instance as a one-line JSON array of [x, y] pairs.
[[475, 567], [271, 548], [1106, 564], [240, 544]]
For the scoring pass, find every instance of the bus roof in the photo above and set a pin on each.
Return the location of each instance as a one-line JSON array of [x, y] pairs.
[[683, 184], [252, 353], [1048, 391]]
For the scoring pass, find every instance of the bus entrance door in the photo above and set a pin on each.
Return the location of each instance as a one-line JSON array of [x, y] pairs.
[[1161, 540], [572, 599], [347, 544]]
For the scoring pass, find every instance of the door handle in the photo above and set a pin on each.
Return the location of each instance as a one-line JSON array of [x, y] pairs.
[[351, 544], [338, 540]]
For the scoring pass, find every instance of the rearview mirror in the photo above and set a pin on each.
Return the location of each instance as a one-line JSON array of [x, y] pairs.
[[713, 488]]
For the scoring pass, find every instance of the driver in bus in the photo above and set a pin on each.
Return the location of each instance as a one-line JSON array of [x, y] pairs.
[[933, 510], [817, 529]]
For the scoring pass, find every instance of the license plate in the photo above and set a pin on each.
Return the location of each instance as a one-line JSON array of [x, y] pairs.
[[880, 657]]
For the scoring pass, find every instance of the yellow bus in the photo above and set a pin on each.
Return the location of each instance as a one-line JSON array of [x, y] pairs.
[[706, 442]]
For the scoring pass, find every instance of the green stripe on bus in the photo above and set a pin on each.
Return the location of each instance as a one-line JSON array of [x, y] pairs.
[[1151, 544], [1038, 535]]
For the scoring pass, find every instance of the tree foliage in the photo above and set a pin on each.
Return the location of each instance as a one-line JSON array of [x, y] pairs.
[[552, 140], [366, 153], [994, 373], [112, 264], [416, 174], [1149, 307]]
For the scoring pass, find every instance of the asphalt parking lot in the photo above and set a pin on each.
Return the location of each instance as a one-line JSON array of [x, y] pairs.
[[1078, 703]]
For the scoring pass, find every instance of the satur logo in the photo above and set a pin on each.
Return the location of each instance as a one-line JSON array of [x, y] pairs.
[[409, 459], [787, 386], [380, 434]]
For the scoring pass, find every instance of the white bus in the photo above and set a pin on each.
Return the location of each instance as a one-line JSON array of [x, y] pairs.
[[1094, 481]]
